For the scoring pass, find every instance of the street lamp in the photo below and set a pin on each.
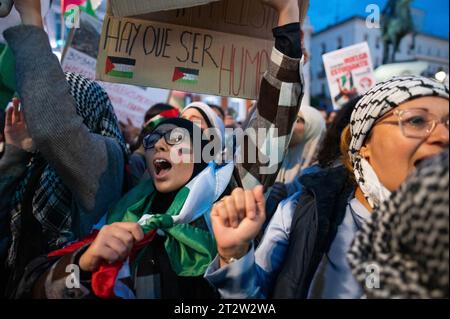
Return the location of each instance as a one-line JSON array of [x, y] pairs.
[[441, 76]]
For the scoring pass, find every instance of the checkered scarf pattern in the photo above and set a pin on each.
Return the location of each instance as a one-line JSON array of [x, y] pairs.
[[280, 96], [407, 240], [380, 100], [52, 200]]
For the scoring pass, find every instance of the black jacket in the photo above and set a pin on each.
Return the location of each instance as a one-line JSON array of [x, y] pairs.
[[321, 209]]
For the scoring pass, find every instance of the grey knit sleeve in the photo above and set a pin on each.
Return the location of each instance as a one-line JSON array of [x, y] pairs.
[[12, 167], [90, 165]]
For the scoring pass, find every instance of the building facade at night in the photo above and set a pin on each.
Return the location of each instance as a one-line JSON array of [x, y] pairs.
[[428, 48]]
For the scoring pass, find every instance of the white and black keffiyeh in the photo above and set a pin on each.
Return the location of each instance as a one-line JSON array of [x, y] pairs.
[[373, 105], [406, 244], [52, 200]]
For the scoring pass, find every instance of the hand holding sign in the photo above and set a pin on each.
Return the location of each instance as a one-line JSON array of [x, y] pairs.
[[30, 12], [290, 11]]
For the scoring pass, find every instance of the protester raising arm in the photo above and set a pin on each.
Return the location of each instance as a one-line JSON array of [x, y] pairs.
[[277, 108], [18, 146], [89, 164], [76, 171], [281, 92], [12, 166]]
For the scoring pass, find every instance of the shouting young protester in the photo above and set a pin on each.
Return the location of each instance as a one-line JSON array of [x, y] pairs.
[[158, 239], [162, 225]]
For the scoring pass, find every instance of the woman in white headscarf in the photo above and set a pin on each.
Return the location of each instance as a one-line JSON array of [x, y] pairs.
[[206, 117], [305, 137]]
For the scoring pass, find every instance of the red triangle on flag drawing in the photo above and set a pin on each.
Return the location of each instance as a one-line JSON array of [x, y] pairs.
[[177, 75], [109, 66]]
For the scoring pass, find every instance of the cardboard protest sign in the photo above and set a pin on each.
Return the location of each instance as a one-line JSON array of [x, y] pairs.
[[249, 18], [80, 57], [221, 48], [184, 58], [126, 8], [129, 102], [349, 73], [236, 9]]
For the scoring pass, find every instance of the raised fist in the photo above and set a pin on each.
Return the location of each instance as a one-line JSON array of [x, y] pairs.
[[237, 220]]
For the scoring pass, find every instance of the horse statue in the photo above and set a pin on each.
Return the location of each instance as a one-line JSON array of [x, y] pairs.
[[396, 22]]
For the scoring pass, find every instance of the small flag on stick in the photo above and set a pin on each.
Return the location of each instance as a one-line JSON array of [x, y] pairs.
[[88, 6]]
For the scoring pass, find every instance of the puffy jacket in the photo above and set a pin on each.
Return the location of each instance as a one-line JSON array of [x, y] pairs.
[[320, 211]]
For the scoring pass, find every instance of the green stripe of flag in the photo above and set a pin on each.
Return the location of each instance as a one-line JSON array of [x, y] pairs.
[[121, 74], [183, 81]]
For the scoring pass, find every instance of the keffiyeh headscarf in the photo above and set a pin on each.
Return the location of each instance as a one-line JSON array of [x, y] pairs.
[[406, 244], [52, 200], [380, 100], [94, 106]]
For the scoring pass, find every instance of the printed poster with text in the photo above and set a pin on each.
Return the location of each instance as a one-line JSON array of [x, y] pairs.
[[349, 73]]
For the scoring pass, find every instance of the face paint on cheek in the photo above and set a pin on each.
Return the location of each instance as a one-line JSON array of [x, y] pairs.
[[180, 154]]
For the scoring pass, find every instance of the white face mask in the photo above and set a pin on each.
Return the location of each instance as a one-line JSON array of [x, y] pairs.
[[375, 192]]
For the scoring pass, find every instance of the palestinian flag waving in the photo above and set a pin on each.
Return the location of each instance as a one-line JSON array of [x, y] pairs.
[[88, 6], [190, 249]]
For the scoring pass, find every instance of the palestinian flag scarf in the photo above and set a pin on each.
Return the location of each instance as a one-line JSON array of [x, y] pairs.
[[190, 249]]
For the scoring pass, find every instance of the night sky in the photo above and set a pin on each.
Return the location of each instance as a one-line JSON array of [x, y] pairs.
[[327, 12]]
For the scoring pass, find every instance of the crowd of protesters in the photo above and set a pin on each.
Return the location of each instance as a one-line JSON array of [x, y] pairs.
[[156, 213]]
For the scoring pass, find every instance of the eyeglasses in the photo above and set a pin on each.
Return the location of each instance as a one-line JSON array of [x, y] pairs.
[[174, 136], [417, 123]]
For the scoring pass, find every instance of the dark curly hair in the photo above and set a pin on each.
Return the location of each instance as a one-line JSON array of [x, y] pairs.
[[330, 150]]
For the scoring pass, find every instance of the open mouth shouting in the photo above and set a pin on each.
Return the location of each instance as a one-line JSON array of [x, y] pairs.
[[162, 167], [421, 160], [418, 162]]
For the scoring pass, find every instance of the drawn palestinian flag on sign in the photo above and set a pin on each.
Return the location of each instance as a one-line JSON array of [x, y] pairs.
[[185, 75], [120, 67]]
